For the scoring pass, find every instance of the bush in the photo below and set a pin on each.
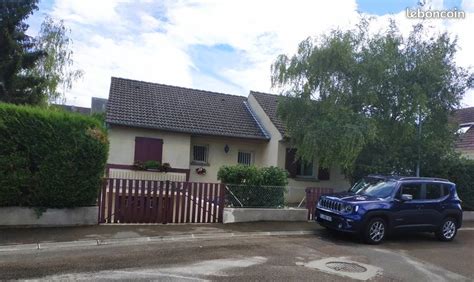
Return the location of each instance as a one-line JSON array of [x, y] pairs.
[[50, 159], [254, 187]]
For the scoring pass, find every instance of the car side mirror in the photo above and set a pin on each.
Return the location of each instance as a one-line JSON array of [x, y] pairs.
[[406, 197]]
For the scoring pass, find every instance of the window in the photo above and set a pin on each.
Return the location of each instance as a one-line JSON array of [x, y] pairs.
[[304, 169], [147, 149], [245, 158], [413, 189], [433, 191], [323, 173], [200, 153], [446, 189], [379, 189]]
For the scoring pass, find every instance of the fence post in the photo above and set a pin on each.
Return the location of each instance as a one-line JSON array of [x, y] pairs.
[[221, 202]]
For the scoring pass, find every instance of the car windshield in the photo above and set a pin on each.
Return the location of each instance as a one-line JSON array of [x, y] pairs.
[[374, 187]]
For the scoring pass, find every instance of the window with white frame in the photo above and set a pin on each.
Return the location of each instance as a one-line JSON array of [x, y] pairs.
[[200, 154], [305, 169], [245, 158]]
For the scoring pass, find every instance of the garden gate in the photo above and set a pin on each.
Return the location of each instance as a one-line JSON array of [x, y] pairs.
[[147, 201], [312, 198]]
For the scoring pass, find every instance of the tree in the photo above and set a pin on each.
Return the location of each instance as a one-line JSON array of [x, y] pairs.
[[56, 67], [358, 99], [18, 55]]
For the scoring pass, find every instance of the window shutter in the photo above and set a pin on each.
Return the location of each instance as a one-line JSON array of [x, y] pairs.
[[290, 163], [147, 149], [323, 173]]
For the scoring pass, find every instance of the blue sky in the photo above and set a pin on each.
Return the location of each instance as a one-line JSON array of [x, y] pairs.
[[224, 46]]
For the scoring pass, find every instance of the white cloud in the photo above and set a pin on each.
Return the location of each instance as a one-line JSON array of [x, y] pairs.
[[129, 39]]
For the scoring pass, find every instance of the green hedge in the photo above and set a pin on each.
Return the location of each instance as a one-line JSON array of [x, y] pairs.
[[254, 187], [50, 159], [461, 172]]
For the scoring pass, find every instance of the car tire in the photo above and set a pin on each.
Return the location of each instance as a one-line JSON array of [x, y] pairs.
[[447, 230], [375, 231]]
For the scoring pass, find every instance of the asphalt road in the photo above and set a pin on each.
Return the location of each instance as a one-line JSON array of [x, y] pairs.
[[402, 258]]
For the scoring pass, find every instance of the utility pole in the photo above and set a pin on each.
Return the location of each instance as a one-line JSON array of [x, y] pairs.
[[419, 144]]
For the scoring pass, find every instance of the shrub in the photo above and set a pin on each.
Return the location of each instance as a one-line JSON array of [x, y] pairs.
[[254, 187], [458, 170], [50, 159]]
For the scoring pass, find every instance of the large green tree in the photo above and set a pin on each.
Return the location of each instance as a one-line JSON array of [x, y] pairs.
[[57, 66], [18, 54], [372, 102]]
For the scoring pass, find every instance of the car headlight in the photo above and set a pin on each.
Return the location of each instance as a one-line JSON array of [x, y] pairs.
[[348, 208]]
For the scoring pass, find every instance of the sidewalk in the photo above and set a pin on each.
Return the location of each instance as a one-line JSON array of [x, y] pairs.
[[13, 236]]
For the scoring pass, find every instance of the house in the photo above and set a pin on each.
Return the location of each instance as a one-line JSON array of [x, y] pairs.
[[192, 129], [465, 143], [98, 105]]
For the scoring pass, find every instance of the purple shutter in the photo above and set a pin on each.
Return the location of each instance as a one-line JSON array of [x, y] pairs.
[[290, 163], [323, 173], [147, 149]]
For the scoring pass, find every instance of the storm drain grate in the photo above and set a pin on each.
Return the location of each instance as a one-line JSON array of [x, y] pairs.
[[345, 266]]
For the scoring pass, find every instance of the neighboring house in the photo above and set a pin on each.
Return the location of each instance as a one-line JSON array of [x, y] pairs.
[[74, 109], [465, 143], [191, 129], [98, 105]]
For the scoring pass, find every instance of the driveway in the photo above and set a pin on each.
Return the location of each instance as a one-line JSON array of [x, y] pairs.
[[323, 256]]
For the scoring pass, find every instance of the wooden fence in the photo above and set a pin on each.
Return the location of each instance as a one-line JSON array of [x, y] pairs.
[[147, 201], [312, 198]]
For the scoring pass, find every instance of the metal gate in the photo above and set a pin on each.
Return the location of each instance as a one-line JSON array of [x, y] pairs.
[[147, 201]]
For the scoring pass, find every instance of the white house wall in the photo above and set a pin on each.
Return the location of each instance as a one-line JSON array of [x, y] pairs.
[[176, 146], [271, 154], [217, 157]]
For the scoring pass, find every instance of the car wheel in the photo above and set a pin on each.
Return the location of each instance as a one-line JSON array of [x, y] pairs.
[[375, 231], [447, 230]]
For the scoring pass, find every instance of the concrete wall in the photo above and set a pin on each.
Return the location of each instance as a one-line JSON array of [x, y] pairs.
[[217, 157], [176, 146], [232, 215], [20, 216]]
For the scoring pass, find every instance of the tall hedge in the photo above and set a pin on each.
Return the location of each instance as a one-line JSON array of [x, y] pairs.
[[460, 171], [50, 159], [253, 186]]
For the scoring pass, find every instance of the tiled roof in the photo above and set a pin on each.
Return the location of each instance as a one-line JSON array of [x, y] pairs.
[[465, 115], [269, 103], [466, 140], [151, 105]]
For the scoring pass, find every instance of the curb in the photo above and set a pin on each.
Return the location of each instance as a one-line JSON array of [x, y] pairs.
[[141, 240]]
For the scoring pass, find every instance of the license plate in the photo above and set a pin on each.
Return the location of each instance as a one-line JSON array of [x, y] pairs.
[[325, 217]]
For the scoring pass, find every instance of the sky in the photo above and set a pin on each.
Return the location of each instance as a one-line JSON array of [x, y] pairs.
[[225, 46]]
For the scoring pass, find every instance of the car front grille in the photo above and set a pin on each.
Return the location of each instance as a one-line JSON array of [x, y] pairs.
[[330, 205]]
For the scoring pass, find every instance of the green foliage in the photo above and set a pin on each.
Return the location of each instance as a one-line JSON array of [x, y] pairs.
[[254, 187], [56, 66], [458, 170], [49, 159], [152, 164], [18, 55], [356, 99]]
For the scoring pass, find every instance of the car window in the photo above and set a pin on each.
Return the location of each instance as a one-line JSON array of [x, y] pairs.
[[433, 191], [413, 189], [446, 189]]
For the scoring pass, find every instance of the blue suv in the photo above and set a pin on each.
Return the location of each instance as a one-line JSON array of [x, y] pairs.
[[379, 205]]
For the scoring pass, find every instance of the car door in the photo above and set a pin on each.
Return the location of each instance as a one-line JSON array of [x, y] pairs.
[[408, 214], [433, 199]]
